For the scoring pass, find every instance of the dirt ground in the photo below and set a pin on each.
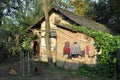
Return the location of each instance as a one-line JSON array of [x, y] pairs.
[[47, 73]]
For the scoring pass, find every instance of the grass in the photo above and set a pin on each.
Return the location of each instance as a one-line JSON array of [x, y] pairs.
[[9, 61], [94, 73], [57, 73]]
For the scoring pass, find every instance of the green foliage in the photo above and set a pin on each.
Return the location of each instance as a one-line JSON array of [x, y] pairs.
[[108, 43], [14, 25], [64, 4], [10, 39], [85, 71], [98, 72], [104, 41], [80, 7], [106, 12], [26, 43]]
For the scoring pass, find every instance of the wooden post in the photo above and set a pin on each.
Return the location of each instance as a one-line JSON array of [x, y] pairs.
[[23, 66], [28, 64], [118, 64]]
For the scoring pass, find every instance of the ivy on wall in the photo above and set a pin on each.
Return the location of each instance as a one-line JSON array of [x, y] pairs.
[[108, 43]]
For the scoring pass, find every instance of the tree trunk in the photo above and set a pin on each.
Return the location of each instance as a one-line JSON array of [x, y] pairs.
[[47, 34]]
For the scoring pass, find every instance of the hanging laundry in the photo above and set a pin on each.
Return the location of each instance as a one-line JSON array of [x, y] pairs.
[[88, 50], [66, 49], [75, 50]]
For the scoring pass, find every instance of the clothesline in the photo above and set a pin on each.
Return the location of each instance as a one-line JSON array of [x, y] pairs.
[[71, 36]]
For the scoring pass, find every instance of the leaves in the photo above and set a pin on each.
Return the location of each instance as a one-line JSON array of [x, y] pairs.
[[106, 62], [80, 7], [26, 44]]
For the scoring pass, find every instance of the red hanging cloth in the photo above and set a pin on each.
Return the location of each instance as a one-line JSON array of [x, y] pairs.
[[88, 49], [66, 50]]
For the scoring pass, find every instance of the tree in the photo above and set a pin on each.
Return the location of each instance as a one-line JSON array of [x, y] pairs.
[[16, 16], [98, 11], [37, 10], [106, 12], [14, 23], [3, 5], [114, 11], [80, 7], [47, 34], [63, 4]]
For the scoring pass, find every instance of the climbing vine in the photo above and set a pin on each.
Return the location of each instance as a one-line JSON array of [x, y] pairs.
[[108, 43]]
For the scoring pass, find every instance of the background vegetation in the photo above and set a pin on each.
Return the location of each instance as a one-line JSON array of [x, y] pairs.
[[17, 15]]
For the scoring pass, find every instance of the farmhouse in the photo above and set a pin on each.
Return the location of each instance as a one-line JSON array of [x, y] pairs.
[[61, 35]]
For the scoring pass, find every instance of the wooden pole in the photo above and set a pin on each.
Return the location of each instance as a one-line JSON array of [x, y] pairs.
[[23, 66], [28, 64]]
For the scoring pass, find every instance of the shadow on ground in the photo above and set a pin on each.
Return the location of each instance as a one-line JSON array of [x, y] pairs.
[[46, 73]]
